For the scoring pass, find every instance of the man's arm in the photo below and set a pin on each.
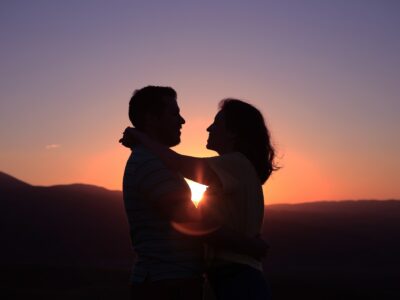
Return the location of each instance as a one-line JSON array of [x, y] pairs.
[[194, 168], [212, 232], [177, 207], [164, 190], [224, 238], [227, 239]]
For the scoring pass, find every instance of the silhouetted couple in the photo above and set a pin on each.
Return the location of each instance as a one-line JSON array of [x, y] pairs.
[[178, 245]]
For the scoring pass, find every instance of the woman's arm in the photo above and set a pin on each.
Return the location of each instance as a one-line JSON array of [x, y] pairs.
[[194, 168]]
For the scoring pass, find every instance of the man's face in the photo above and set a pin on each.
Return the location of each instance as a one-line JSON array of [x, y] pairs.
[[170, 123]]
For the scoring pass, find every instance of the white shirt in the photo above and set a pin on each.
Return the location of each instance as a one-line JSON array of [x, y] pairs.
[[238, 203]]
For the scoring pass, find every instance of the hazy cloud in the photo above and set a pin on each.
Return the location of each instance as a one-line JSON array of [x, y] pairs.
[[52, 146]]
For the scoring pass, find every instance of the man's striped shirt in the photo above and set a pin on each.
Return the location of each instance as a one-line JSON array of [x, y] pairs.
[[162, 252]]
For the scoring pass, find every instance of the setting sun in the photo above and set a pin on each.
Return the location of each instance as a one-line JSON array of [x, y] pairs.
[[197, 190]]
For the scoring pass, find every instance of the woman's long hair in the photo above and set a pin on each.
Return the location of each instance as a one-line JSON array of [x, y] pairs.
[[252, 137]]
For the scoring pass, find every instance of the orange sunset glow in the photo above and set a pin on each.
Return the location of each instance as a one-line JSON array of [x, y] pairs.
[[85, 217], [328, 89]]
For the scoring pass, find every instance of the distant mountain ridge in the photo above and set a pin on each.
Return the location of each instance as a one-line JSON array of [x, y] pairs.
[[332, 247], [350, 242], [75, 224], [8, 181]]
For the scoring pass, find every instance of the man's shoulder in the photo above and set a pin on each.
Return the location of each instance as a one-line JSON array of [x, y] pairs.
[[140, 153], [142, 156], [142, 164]]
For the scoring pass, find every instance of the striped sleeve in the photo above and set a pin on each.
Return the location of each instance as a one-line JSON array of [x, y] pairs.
[[157, 180]]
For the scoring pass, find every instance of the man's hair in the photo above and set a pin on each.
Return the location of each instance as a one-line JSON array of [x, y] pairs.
[[148, 100], [252, 135]]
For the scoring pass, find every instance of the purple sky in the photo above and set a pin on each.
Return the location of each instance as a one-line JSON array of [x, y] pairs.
[[324, 73]]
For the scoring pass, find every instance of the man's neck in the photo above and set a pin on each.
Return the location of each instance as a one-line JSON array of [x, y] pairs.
[[155, 136]]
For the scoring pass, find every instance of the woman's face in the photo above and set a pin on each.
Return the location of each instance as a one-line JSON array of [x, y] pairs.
[[220, 139]]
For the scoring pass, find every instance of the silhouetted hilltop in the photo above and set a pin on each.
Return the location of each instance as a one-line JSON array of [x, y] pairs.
[[9, 182], [346, 207], [335, 233], [319, 250], [350, 246], [63, 225]]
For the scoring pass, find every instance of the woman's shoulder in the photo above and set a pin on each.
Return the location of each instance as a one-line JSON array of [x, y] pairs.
[[228, 158], [235, 163], [236, 160]]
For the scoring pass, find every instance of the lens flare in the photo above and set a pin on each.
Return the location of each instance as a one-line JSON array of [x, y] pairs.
[[197, 190], [193, 228]]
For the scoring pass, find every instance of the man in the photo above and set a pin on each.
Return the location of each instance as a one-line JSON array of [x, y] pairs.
[[169, 264]]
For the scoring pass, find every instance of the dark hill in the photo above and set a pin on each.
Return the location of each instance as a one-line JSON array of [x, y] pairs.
[[63, 225], [320, 250], [350, 248], [9, 182]]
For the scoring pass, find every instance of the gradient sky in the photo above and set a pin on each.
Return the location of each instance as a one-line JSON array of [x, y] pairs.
[[325, 74]]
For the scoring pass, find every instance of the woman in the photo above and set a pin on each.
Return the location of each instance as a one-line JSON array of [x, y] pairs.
[[234, 198]]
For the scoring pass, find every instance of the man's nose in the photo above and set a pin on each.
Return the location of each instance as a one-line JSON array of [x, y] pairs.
[[182, 120]]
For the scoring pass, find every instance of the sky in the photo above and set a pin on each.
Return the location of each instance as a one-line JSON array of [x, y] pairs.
[[325, 75]]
